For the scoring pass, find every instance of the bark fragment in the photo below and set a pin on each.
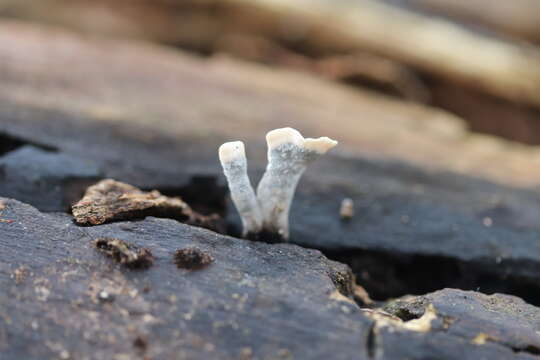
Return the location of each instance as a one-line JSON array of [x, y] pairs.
[[111, 200]]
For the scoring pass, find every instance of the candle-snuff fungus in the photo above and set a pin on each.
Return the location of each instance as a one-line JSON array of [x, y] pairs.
[[289, 154]]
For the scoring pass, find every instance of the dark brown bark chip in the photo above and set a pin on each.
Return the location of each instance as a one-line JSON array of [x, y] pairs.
[[111, 200], [192, 259], [126, 254]]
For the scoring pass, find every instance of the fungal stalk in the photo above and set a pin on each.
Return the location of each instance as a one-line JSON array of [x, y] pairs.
[[289, 154], [232, 156]]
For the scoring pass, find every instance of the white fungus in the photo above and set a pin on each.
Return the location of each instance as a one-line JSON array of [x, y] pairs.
[[232, 156], [288, 157]]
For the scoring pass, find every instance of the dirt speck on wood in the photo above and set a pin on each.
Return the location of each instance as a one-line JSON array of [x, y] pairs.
[[141, 343], [192, 259], [126, 254]]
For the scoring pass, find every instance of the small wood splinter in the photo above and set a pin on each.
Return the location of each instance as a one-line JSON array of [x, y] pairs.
[[346, 210]]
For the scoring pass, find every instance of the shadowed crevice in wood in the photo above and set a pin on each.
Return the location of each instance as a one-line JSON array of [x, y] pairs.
[[387, 275], [10, 143]]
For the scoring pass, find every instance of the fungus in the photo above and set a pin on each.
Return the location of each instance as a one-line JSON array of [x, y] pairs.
[[289, 154], [232, 156]]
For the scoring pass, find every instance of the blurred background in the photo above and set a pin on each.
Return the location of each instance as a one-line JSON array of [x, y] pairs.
[[477, 59]]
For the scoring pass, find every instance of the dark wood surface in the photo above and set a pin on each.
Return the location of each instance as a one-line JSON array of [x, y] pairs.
[[421, 223]]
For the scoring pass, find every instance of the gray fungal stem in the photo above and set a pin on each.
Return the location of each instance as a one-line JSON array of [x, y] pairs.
[[289, 154], [233, 160]]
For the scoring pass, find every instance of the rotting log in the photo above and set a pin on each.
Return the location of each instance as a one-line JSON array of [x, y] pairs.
[[254, 300], [518, 18], [423, 58], [154, 118], [435, 205], [217, 100], [429, 44], [69, 300]]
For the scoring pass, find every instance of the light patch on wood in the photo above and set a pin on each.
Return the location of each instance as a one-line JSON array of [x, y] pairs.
[[361, 293], [482, 339], [384, 319], [337, 296], [423, 324]]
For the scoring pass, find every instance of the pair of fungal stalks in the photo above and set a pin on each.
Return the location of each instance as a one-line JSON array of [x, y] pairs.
[[289, 154]]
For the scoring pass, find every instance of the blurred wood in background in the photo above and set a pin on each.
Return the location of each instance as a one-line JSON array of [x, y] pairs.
[[486, 73], [518, 18]]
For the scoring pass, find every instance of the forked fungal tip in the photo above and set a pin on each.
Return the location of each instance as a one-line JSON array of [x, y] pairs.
[[320, 145]]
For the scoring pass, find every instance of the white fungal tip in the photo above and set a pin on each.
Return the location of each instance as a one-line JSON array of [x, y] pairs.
[[320, 145], [281, 136], [289, 135], [231, 151]]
